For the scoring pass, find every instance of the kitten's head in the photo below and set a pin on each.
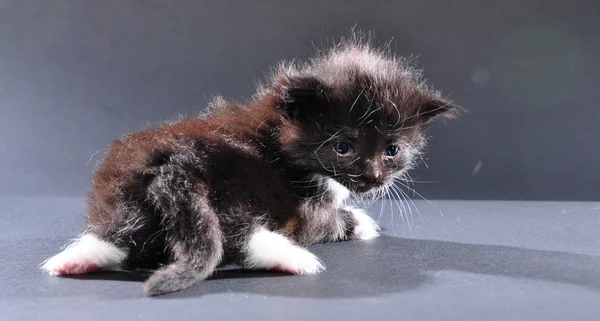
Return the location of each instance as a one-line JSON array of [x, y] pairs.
[[355, 113]]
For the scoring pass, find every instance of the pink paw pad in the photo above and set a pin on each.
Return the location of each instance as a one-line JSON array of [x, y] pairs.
[[282, 269], [76, 268]]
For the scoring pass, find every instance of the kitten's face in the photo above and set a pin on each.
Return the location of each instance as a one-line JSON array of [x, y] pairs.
[[355, 113], [359, 139], [367, 158]]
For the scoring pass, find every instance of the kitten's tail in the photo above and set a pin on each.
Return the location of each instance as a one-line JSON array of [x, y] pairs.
[[196, 248], [175, 277], [192, 228]]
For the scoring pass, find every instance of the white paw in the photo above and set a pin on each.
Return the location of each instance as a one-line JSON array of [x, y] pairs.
[[270, 250], [85, 254], [300, 261], [366, 228], [61, 267]]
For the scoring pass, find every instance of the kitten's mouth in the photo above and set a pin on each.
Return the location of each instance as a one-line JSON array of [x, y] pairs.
[[365, 187]]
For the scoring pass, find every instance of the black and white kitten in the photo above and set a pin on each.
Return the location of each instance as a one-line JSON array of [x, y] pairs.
[[253, 184]]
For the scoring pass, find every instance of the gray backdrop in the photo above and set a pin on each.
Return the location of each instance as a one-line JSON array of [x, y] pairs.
[[74, 74]]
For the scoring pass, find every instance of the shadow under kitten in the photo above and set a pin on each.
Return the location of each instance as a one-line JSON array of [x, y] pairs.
[[390, 265]]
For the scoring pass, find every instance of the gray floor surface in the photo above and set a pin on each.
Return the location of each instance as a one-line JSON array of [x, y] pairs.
[[454, 261]]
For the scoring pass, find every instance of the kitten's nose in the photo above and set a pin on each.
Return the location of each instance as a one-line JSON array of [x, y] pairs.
[[371, 173]]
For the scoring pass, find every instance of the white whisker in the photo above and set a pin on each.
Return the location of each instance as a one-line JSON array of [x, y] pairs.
[[421, 196], [397, 110], [357, 98], [404, 209], [406, 197]]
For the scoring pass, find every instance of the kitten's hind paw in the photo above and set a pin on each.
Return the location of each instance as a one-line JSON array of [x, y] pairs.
[[366, 228], [273, 251], [86, 254]]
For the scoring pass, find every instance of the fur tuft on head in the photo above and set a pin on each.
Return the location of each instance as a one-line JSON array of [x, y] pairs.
[[356, 65]]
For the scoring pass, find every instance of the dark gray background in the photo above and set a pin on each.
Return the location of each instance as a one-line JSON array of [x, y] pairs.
[[74, 74]]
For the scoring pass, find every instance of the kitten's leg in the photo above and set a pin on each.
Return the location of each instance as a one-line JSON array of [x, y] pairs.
[[270, 250], [338, 224], [85, 254], [360, 226], [347, 223]]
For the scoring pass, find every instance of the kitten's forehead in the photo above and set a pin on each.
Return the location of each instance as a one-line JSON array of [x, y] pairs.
[[370, 131], [383, 105]]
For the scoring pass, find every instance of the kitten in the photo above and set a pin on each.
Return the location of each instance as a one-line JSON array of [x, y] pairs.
[[253, 184]]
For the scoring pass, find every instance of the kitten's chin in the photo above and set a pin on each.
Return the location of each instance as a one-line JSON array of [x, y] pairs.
[[362, 189], [370, 188], [365, 188]]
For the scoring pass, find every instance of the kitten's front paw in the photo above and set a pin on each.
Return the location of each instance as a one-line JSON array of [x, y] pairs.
[[366, 228], [300, 261]]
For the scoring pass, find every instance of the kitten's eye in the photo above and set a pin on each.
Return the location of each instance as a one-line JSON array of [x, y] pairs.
[[343, 148], [391, 150]]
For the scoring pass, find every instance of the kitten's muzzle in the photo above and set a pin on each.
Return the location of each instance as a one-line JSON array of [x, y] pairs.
[[371, 174], [369, 183], [363, 187], [371, 177]]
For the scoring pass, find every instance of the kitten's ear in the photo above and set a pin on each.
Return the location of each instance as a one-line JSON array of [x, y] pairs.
[[302, 96], [438, 107]]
